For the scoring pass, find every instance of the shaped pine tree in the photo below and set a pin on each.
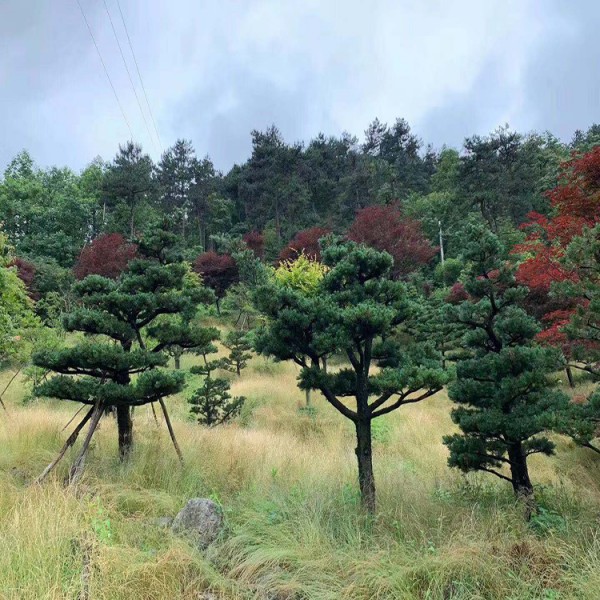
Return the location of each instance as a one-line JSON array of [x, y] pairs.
[[118, 366], [212, 403], [357, 310], [239, 347], [504, 396]]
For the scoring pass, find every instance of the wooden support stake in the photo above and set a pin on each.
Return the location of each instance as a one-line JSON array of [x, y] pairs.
[[7, 386], [78, 466], [170, 428], [70, 441]]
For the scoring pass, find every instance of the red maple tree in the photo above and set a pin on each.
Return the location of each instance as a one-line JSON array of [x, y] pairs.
[[385, 228], [218, 271], [255, 241], [108, 255], [26, 273], [305, 242], [576, 204]]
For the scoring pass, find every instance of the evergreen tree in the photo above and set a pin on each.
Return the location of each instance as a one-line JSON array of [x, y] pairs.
[[203, 196], [212, 403], [128, 180], [430, 323], [581, 330], [118, 366], [357, 310], [239, 347], [504, 396]]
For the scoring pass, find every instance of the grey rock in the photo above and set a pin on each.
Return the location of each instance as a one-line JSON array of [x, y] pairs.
[[200, 520]]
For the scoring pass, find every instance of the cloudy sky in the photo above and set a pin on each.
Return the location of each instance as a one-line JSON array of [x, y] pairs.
[[216, 69]]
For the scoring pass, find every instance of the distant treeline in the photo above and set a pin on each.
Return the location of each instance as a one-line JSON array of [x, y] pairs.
[[49, 215]]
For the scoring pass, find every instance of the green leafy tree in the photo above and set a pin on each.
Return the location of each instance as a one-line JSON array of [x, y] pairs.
[[18, 324], [357, 311], [45, 213], [119, 364], [504, 396]]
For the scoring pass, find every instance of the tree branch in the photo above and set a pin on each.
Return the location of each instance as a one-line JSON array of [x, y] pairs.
[[332, 399], [495, 473], [402, 400]]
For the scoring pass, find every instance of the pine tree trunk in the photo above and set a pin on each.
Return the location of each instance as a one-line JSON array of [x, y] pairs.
[[307, 397], [364, 454], [131, 217], [125, 427], [521, 482], [238, 369], [177, 358], [570, 377]]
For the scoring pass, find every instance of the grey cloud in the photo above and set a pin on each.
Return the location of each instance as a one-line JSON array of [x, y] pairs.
[[218, 69], [562, 83]]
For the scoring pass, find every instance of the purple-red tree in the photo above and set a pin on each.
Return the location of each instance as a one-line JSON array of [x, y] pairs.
[[218, 271], [26, 273], [255, 241], [305, 242], [108, 256], [385, 228]]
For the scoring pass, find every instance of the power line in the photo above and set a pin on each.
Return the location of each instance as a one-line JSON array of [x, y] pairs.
[[139, 75], [105, 69], [128, 73]]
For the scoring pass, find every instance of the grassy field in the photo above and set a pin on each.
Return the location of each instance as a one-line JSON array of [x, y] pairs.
[[287, 483]]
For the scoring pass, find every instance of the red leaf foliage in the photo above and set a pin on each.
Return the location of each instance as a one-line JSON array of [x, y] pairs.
[[108, 255], [218, 271], [305, 242], [576, 204], [385, 228], [457, 294], [26, 273], [255, 241]]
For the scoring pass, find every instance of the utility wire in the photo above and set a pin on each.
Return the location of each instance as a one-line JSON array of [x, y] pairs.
[[139, 75], [129, 74], [105, 69]]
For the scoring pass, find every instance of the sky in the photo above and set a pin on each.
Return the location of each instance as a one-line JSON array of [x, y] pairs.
[[214, 70]]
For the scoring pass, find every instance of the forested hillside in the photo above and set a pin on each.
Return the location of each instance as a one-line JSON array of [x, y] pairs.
[[50, 214], [375, 361]]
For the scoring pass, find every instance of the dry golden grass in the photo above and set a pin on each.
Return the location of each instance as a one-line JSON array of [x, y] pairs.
[[286, 481]]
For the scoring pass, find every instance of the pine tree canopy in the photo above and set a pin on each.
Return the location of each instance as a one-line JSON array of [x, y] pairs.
[[126, 311], [504, 393]]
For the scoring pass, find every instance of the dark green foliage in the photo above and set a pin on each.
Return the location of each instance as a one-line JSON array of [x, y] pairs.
[[582, 261], [429, 322], [128, 182], [213, 404], [500, 175], [130, 323], [358, 306], [504, 396], [239, 347]]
